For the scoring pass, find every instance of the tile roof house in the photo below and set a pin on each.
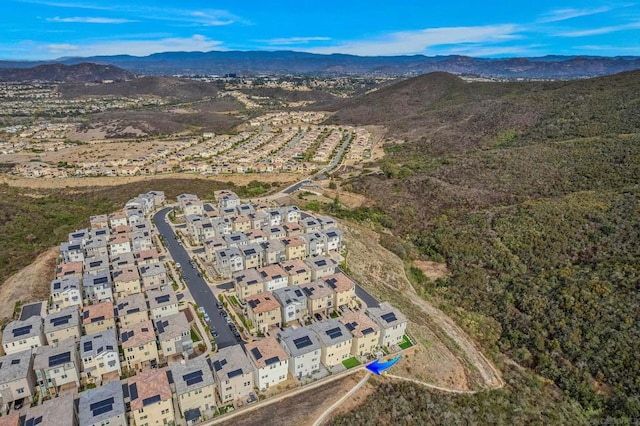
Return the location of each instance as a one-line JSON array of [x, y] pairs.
[[319, 297], [162, 303], [263, 310], [293, 303], [233, 373], [365, 332], [57, 367], [100, 356], [297, 271], [23, 335], [62, 325], [391, 321], [344, 289], [335, 341], [103, 406], [270, 360], [273, 277], [139, 345], [132, 309], [151, 398], [247, 283], [174, 335], [295, 247], [69, 269], [17, 378], [98, 317], [194, 388], [303, 348], [126, 281], [63, 406]]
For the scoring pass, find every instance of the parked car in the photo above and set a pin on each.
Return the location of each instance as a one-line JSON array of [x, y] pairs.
[[228, 319], [223, 313], [214, 332], [201, 310], [206, 317], [218, 305], [318, 317]]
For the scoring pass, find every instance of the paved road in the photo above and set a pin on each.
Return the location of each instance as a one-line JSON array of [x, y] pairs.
[[198, 287], [368, 299]]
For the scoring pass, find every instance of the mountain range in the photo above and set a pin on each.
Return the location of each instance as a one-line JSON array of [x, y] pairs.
[[278, 63]]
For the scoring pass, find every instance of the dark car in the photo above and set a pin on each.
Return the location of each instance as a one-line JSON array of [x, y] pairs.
[[223, 313], [318, 317], [18, 404], [218, 305], [214, 332]]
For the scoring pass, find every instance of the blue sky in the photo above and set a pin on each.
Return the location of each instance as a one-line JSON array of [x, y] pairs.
[[48, 29]]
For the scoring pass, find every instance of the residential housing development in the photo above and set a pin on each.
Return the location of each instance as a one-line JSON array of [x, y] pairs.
[[122, 341]]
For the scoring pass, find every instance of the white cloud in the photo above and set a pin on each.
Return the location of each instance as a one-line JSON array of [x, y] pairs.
[[293, 40], [74, 5], [421, 41], [600, 31], [90, 20], [211, 17], [135, 47], [565, 14]]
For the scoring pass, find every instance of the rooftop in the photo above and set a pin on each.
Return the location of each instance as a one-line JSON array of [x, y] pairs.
[[295, 267], [263, 302], [131, 304], [299, 341], [98, 312], [65, 283], [19, 330], [272, 272], [230, 362], [65, 318], [358, 323], [191, 375], [51, 356], [266, 352], [247, 277], [172, 326], [137, 334], [92, 345], [70, 268], [152, 269], [339, 282], [15, 366], [100, 404], [386, 316], [316, 289], [148, 388], [125, 275], [161, 297], [331, 332], [40, 415], [290, 294]]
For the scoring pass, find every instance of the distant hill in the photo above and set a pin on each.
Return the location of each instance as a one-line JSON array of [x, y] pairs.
[[82, 72], [166, 87], [252, 63]]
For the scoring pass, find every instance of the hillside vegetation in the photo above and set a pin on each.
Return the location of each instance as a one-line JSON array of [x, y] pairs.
[[530, 193]]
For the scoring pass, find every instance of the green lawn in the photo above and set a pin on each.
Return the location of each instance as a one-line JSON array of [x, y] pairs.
[[194, 336], [234, 300], [351, 362], [406, 343]]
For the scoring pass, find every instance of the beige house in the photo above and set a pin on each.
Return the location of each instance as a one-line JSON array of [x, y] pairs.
[[69, 268], [319, 297], [65, 292], [241, 223], [118, 244], [295, 247], [103, 406], [139, 345], [131, 310], [62, 325], [24, 335], [63, 406], [100, 357], [174, 334], [247, 283], [57, 367], [365, 333], [126, 281], [153, 275], [273, 277], [344, 289], [194, 388], [17, 379], [270, 360], [151, 401], [263, 310], [335, 341], [391, 321], [298, 272], [233, 373], [98, 317], [321, 266], [146, 257], [162, 302]]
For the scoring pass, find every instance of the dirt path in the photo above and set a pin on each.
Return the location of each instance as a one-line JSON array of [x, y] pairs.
[[339, 402]]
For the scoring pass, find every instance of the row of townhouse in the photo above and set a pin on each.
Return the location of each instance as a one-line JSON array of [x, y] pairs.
[[285, 305]]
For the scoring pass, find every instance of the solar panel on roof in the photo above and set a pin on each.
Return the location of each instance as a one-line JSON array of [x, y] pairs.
[[332, 282], [96, 319], [302, 342], [59, 359], [60, 320], [163, 299], [109, 347], [100, 349], [235, 373], [133, 391], [15, 361], [272, 360], [101, 280], [34, 421], [56, 286], [150, 400], [368, 330], [161, 325], [144, 329], [321, 262], [350, 326], [193, 378], [94, 264], [87, 346], [334, 332], [256, 353], [21, 331], [101, 407], [217, 365], [389, 317], [85, 314]]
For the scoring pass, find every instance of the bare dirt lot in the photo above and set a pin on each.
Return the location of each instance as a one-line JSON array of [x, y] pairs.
[[433, 270], [29, 284], [301, 409]]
